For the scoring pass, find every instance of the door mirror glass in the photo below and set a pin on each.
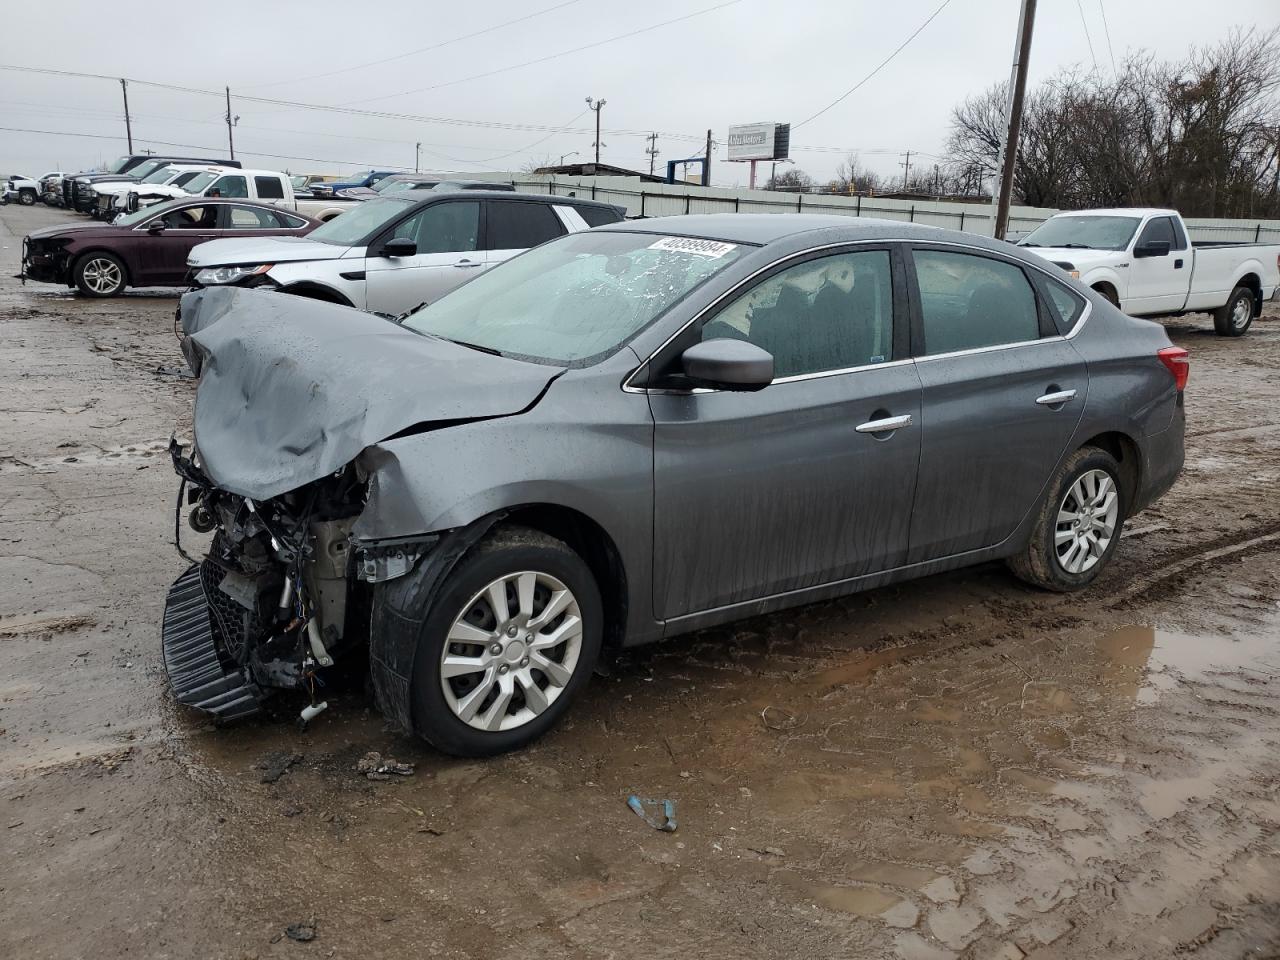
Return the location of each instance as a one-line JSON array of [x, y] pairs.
[[1152, 248], [728, 364], [400, 247]]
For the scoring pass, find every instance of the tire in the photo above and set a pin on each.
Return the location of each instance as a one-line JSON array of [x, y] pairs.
[[27, 198], [100, 274], [462, 608], [1071, 565], [1234, 317]]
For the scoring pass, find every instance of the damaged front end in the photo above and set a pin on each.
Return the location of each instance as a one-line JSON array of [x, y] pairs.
[[282, 595]]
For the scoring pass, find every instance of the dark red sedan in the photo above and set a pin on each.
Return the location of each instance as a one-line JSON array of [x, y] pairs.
[[148, 248]]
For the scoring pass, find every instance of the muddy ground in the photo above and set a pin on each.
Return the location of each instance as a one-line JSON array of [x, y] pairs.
[[959, 766]]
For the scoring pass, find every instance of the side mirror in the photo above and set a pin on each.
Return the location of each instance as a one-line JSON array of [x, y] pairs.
[[399, 247], [1152, 248], [155, 227], [728, 364]]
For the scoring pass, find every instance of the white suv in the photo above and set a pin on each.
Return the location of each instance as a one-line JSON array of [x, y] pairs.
[[391, 254]]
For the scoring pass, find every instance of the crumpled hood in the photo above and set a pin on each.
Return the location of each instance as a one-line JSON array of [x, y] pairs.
[[44, 233], [293, 389], [254, 250]]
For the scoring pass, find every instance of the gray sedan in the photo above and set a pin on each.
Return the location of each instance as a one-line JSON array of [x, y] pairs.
[[634, 432]]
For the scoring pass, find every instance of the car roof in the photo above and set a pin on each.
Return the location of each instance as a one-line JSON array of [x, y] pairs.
[[1120, 212], [433, 197]]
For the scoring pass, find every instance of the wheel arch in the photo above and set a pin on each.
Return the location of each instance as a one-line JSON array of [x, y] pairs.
[[1254, 283], [1106, 288], [1127, 454], [592, 542]]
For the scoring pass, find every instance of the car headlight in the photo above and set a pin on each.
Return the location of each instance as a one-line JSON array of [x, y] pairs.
[[211, 276]]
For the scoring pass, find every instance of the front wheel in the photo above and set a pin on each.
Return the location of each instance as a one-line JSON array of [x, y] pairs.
[[1078, 526], [506, 644], [100, 275], [27, 198], [1234, 317]]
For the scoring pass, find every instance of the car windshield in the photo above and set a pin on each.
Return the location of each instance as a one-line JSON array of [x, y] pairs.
[[354, 225], [298, 181], [118, 164], [146, 213], [158, 176], [575, 298], [200, 181], [394, 185], [142, 169], [358, 177], [1091, 233]]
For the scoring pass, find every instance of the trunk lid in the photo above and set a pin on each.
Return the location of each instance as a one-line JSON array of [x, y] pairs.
[[293, 389]]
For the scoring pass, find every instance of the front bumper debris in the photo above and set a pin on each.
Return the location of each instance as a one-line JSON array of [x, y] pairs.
[[196, 671]]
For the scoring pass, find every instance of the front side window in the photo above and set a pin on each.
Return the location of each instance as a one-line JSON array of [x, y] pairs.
[[831, 313], [969, 301], [513, 225], [230, 187], [444, 228], [575, 298], [269, 188], [191, 218], [1159, 229]]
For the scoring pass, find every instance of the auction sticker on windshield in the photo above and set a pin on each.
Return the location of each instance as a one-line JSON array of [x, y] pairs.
[[705, 248]]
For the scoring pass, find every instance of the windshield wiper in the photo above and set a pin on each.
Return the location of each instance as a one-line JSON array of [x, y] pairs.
[[1028, 244], [1075, 246], [471, 346]]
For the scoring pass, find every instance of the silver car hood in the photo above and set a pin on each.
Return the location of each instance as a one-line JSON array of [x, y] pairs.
[[254, 250], [293, 389]]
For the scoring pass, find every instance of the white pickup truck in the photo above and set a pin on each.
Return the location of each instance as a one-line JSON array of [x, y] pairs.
[[267, 186], [1143, 261]]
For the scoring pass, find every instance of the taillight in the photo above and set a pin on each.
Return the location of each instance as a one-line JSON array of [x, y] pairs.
[[1178, 362]]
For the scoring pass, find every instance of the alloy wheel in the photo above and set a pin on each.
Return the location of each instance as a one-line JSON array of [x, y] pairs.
[[102, 275], [1086, 522], [511, 651]]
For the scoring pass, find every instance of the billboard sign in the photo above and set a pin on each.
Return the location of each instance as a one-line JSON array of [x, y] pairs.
[[760, 141]]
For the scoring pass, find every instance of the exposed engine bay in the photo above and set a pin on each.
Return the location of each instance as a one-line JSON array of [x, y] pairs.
[[278, 580]]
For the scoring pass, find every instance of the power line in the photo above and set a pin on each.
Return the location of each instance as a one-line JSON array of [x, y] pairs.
[[881, 66], [1088, 39], [1107, 29], [414, 53], [551, 56]]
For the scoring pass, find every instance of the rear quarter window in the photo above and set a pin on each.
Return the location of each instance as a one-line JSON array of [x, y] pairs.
[[1065, 306], [598, 216]]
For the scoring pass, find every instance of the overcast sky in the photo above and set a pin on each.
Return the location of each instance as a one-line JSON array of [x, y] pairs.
[[742, 61]]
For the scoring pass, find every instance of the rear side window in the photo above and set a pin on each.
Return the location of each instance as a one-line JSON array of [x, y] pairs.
[[598, 216], [514, 225], [269, 188], [230, 187], [968, 301], [252, 218], [1065, 307]]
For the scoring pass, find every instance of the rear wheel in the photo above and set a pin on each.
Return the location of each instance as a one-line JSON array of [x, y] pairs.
[[1109, 292], [99, 274], [1078, 525], [1235, 317], [506, 644]]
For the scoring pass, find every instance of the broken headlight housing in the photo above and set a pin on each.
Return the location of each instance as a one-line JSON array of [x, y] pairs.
[[220, 276]]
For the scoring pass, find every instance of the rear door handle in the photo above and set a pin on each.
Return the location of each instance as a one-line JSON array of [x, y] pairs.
[[467, 263], [884, 426], [1053, 399]]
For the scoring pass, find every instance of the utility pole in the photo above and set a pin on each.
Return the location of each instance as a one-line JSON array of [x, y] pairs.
[[597, 105], [906, 174], [652, 150], [1017, 88], [417, 155], [706, 164], [231, 143], [128, 129]]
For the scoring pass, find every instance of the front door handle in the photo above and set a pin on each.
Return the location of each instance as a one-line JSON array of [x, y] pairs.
[[1054, 399], [467, 263], [886, 425]]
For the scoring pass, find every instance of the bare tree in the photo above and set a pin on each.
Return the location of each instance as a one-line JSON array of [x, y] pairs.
[[793, 180], [852, 177], [1201, 134]]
